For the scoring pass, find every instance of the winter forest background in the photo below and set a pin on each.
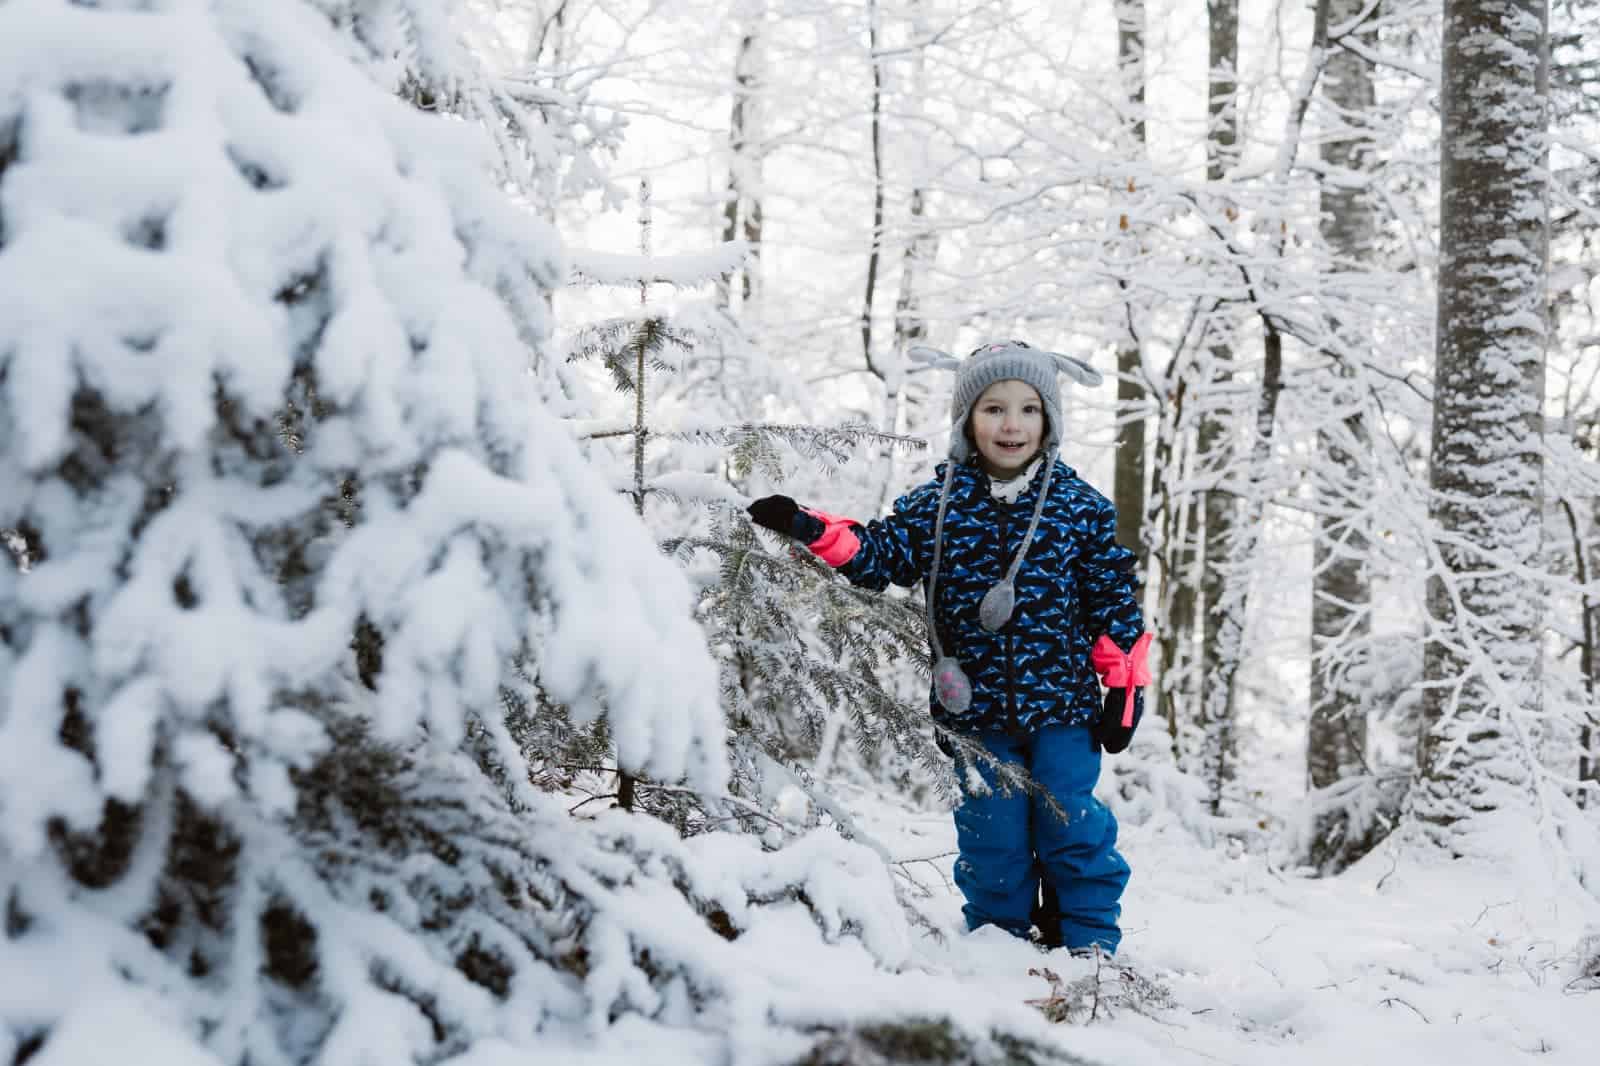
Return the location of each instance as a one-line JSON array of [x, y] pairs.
[[388, 672]]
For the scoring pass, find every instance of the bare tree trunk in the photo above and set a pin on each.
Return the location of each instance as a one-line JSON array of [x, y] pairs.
[[923, 244], [752, 263], [1588, 659], [1128, 491], [1217, 513], [876, 252], [641, 431], [1227, 584], [922, 247], [1173, 516], [1481, 663], [1341, 585], [744, 163], [909, 325], [1222, 87]]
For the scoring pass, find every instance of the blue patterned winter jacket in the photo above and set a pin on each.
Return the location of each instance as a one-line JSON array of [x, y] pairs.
[[1076, 583]]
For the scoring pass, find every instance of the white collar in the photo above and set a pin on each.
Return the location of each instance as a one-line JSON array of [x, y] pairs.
[[1012, 488]]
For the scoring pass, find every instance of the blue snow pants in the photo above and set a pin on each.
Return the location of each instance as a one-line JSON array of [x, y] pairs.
[[1000, 837]]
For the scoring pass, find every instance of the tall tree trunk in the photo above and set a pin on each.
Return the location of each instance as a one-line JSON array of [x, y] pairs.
[[1172, 516], [1341, 585], [1589, 733], [1217, 509], [1227, 580], [923, 244], [1128, 492], [875, 254], [1588, 654], [1481, 665], [922, 247], [741, 206], [1222, 87], [909, 324], [641, 430]]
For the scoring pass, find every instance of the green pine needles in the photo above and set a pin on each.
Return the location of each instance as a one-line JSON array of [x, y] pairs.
[[808, 663]]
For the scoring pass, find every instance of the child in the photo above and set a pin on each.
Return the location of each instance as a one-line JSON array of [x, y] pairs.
[[1029, 596]]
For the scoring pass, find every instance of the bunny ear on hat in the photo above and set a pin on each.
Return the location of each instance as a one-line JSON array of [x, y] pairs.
[[932, 358], [1077, 369], [937, 359]]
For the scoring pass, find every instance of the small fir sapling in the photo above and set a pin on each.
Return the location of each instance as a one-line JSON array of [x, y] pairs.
[[798, 650]]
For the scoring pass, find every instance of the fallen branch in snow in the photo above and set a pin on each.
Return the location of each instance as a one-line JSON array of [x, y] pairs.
[[903, 864], [1487, 907], [1391, 1000], [1112, 985], [1394, 864]]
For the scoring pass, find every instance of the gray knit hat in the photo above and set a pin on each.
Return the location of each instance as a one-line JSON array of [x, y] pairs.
[[1007, 361]]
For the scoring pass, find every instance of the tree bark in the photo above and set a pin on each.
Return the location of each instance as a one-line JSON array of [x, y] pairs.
[[641, 431], [921, 250], [875, 254], [1227, 584], [1341, 584], [1481, 663], [741, 207], [1217, 508], [1174, 515], [1128, 483], [1222, 87], [922, 245], [1588, 658]]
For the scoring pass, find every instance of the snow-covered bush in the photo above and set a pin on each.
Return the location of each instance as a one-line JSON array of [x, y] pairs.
[[1586, 963]]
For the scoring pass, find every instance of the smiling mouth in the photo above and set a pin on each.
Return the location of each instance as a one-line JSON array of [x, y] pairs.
[[1011, 446]]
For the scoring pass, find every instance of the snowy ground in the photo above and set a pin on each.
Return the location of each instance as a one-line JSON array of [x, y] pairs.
[[1390, 963]]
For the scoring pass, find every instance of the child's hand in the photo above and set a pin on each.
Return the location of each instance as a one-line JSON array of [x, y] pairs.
[[782, 515], [775, 513], [831, 538], [1113, 736]]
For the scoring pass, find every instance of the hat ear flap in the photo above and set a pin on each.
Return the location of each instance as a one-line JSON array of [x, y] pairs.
[[933, 358], [1077, 369]]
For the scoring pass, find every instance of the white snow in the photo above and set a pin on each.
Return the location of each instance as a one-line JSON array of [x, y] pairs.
[[684, 269], [171, 227], [1401, 959]]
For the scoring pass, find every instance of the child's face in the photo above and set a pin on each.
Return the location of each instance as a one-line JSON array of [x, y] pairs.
[[1007, 427]]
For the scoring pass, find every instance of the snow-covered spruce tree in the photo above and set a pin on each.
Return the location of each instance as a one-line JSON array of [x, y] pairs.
[[266, 430], [1477, 753]]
